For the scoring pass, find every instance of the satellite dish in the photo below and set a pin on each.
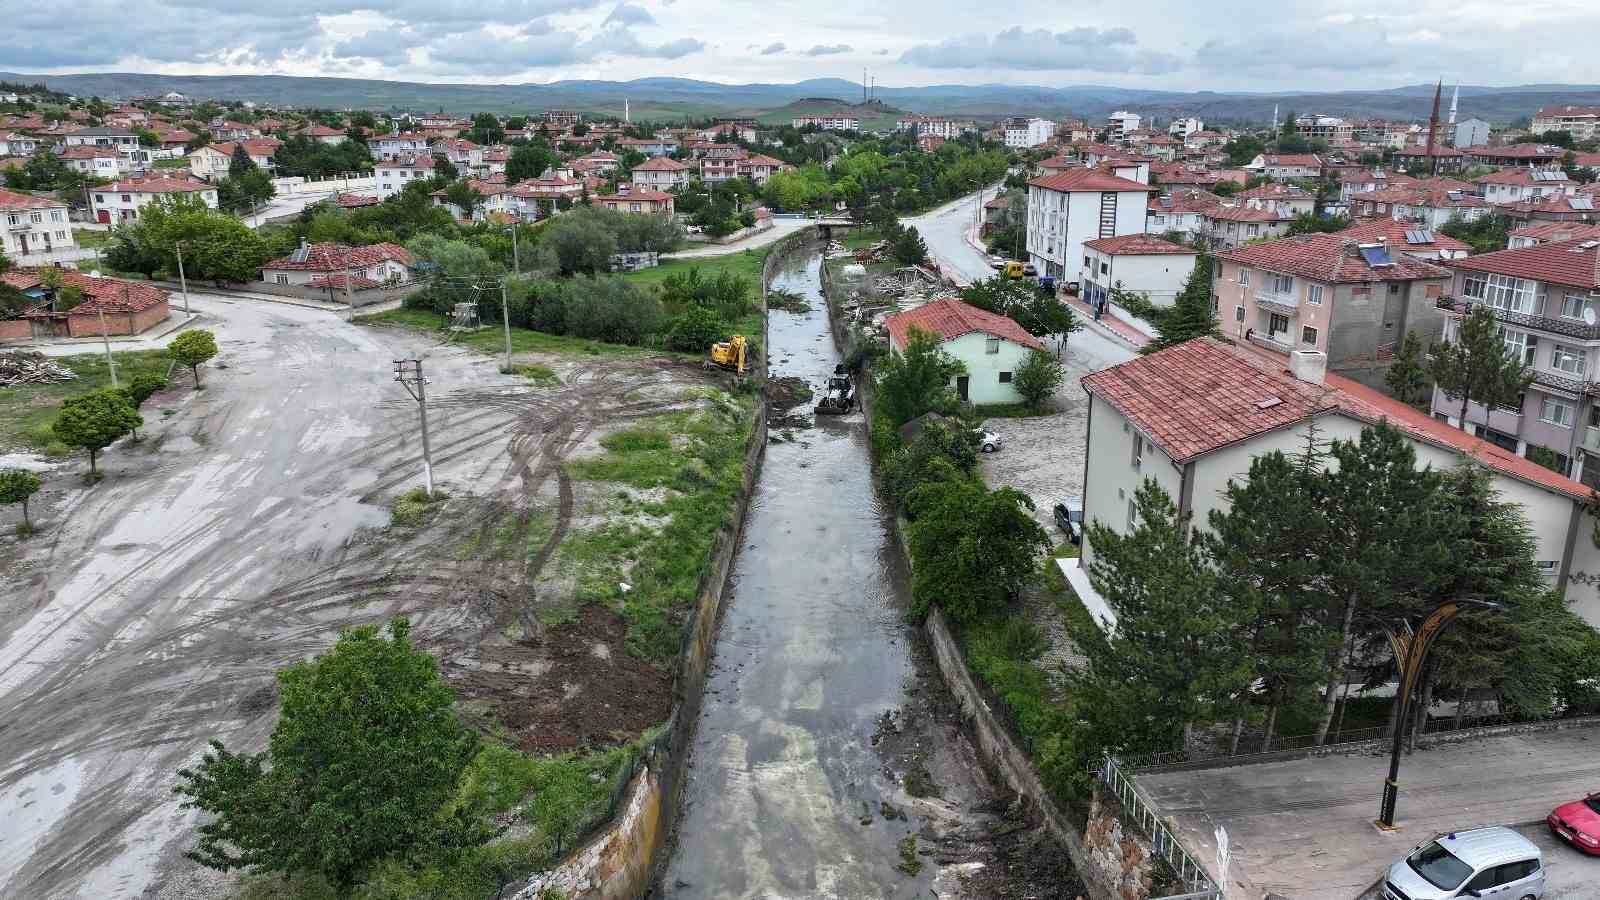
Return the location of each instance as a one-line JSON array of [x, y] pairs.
[[96, 274], [1588, 315]]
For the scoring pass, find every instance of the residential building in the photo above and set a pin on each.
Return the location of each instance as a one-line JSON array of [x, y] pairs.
[[1546, 299], [1525, 154], [652, 146], [1417, 159], [730, 130], [102, 136], [563, 118], [1328, 128], [935, 126], [224, 130], [1407, 238], [1284, 166], [1427, 207], [33, 225], [759, 167], [601, 161], [1079, 205], [1470, 133], [397, 144], [211, 162], [122, 200], [1233, 224], [15, 143], [1324, 292], [1022, 131], [1285, 199], [630, 199], [1512, 185], [328, 265], [827, 123], [322, 134], [462, 153], [97, 162], [1120, 123], [1183, 211], [1535, 233], [109, 306], [392, 174], [663, 173], [1138, 263], [1192, 417], [1184, 128], [1583, 122], [991, 346], [1366, 182], [720, 162], [497, 200], [1571, 208]]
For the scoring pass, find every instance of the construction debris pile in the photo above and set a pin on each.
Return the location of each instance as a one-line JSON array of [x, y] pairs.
[[23, 367]]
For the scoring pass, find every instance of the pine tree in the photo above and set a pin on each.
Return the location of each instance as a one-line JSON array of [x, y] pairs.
[[1476, 366], [240, 162], [1190, 315], [1407, 378]]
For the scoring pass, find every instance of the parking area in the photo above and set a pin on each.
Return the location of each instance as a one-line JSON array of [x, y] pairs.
[[1303, 829]]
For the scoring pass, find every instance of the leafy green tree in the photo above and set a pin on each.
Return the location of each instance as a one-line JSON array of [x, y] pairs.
[[463, 196], [917, 379], [1486, 234], [1038, 378], [695, 329], [908, 248], [941, 450], [240, 162], [444, 169], [1243, 149], [577, 243], [530, 161], [141, 388], [193, 348], [730, 295], [1190, 315], [1311, 223], [458, 272], [1477, 366], [16, 486], [93, 421], [1174, 659], [1407, 377], [362, 765], [974, 548]]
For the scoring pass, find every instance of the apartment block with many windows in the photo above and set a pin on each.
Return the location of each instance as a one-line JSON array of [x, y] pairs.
[[1547, 298]]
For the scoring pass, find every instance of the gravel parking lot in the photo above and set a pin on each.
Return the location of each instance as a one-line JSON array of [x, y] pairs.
[[1043, 455]]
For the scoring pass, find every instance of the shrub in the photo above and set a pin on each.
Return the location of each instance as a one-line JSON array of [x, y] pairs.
[[695, 329]]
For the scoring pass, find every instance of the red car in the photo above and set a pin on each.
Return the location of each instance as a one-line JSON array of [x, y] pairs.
[[1578, 823]]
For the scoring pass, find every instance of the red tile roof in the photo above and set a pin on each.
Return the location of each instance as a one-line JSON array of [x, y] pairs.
[[1247, 214], [1204, 395], [332, 257], [1329, 258], [1394, 232], [1526, 151], [1139, 245], [1575, 263], [86, 151], [1550, 112], [113, 295], [15, 200], [637, 194], [1558, 231], [354, 201], [1087, 180], [1310, 160], [1276, 192], [661, 164], [1524, 178], [950, 318], [1550, 204], [406, 162], [317, 129], [159, 184]]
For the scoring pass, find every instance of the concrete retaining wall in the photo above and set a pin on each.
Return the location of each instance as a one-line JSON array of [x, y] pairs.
[[624, 860], [358, 298]]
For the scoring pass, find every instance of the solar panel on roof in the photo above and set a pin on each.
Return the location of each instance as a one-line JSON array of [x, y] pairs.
[[300, 254], [1419, 236], [1376, 256], [1581, 202]]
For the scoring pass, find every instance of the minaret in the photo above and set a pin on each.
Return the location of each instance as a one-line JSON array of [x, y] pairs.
[[1454, 100], [1433, 130], [627, 117]]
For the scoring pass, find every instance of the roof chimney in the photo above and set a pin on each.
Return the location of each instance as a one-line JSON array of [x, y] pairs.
[[1308, 365]]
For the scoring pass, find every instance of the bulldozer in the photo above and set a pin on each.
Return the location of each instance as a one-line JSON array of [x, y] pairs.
[[839, 397], [729, 354]]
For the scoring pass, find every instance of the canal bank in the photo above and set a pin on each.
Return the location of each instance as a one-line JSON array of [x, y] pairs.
[[828, 759]]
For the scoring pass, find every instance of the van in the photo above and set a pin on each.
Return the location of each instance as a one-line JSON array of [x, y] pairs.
[[1484, 862]]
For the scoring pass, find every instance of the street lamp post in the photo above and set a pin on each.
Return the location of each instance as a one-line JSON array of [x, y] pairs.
[[183, 281], [1410, 652]]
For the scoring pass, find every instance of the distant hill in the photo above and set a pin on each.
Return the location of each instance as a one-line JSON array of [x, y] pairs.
[[874, 115], [675, 98]]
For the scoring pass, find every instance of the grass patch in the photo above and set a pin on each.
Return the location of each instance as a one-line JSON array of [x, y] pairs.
[[698, 458], [541, 375], [414, 507], [172, 164], [1011, 411], [27, 410], [1004, 650], [493, 340], [89, 238], [909, 864], [746, 263]]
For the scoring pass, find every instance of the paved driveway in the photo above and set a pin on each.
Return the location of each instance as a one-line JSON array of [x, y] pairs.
[[1303, 829]]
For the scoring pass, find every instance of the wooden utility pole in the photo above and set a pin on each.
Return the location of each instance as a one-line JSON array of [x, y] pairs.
[[183, 280], [409, 373], [105, 338]]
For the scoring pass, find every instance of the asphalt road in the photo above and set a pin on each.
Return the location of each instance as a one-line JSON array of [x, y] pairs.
[[153, 609], [944, 231]]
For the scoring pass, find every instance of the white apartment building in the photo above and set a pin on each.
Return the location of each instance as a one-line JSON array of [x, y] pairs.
[[1582, 121], [392, 175], [926, 126], [1182, 128], [1079, 205], [827, 123], [121, 201], [33, 225], [1121, 122], [1021, 131]]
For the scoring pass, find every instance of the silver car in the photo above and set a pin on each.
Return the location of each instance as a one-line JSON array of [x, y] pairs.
[[1484, 862]]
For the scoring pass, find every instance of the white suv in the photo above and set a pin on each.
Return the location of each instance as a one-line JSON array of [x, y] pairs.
[[1484, 862]]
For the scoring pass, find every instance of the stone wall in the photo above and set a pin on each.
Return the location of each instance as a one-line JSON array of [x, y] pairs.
[[15, 330]]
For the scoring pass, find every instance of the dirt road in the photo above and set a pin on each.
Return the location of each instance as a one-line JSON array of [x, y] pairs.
[[240, 535]]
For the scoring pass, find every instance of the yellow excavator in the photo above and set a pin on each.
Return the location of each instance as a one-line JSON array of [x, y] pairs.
[[729, 354]]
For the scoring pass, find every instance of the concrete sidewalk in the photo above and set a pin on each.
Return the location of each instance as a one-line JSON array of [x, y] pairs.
[[1303, 828], [781, 228]]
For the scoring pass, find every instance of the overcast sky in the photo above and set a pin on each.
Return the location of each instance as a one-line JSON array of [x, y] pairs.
[[1221, 44]]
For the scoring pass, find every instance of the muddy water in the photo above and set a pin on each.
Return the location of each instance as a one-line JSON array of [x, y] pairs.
[[789, 768]]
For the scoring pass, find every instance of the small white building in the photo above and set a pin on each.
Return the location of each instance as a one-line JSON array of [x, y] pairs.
[[1078, 205], [102, 136], [121, 201], [1183, 128], [1192, 417], [96, 162], [33, 225], [328, 264], [392, 175], [661, 173], [1022, 131], [1140, 263], [991, 346]]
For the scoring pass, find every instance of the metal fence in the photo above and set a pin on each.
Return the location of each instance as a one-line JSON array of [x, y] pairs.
[[1141, 813]]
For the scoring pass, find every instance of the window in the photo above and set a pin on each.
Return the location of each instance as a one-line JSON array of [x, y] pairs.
[[1138, 451], [1500, 292], [13, 219], [1567, 359], [36, 218], [281, 279], [1394, 288], [61, 235], [1253, 230], [1308, 335], [1005, 377], [55, 215], [992, 345], [1520, 344], [1282, 284], [1104, 268], [126, 198], [1088, 263], [1572, 306], [1238, 315], [1277, 324], [1133, 515], [1314, 294], [1556, 412], [1244, 276]]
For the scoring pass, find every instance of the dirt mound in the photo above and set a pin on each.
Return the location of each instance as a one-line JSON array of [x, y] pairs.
[[788, 392]]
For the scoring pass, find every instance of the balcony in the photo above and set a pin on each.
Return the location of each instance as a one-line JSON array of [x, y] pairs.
[[1591, 439], [1288, 303], [1572, 328], [1272, 343]]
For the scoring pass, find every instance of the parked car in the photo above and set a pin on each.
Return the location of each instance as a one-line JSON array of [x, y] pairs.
[[1069, 518], [996, 261], [1029, 270], [988, 441], [1484, 862], [1578, 823]]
